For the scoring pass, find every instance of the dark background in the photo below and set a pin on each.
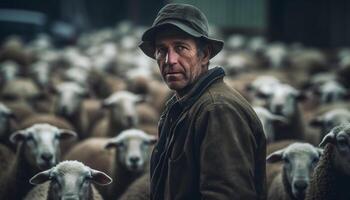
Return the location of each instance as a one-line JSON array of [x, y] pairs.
[[319, 23]]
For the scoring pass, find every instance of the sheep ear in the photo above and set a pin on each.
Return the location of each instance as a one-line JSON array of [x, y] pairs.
[[18, 136], [152, 140], [65, 134], [40, 177], [105, 104], [329, 138], [110, 144], [275, 156], [100, 178], [140, 99]]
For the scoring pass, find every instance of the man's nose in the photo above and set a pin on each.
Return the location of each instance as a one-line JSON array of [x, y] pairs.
[[171, 58]]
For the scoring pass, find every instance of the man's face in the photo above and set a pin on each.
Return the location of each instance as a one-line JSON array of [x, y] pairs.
[[178, 59]]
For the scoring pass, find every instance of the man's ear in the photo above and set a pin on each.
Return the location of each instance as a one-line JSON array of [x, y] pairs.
[[206, 55]]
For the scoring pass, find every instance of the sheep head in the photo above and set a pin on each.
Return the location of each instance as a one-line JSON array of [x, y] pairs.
[[41, 144], [133, 148], [299, 161], [71, 180]]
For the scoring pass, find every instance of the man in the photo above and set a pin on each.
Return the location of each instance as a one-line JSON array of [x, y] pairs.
[[211, 144]]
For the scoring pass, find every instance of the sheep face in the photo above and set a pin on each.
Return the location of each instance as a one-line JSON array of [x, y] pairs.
[[267, 119], [133, 148], [331, 119], [71, 180], [41, 72], [331, 91], [299, 161], [9, 71], [41, 144], [70, 97], [261, 88], [276, 54], [122, 105], [340, 137], [5, 115], [283, 101]]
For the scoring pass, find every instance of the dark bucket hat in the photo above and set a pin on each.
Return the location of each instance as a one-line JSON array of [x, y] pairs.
[[185, 17]]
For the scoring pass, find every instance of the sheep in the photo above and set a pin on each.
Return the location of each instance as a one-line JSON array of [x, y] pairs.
[[122, 114], [104, 84], [70, 96], [331, 176], [139, 189], [20, 90], [128, 162], [247, 83], [236, 42], [41, 72], [77, 74], [261, 86], [37, 149], [331, 91], [9, 70], [273, 168], [284, 101], [68, 180], [25, 92], [53, 120], [7, 124], [267, 119], [13, 49], [330, 119], [133, 151], [276, 53], [299, 160], [239, 62], [310, 61]]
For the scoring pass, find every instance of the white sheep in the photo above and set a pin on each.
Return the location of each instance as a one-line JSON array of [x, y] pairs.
[[128, 162], [37, 149], [330, 119], [9, 70], [122, 114], [284, 101], [267, 120], [331, 91], [299, 160], [68, 180], [69, 105]]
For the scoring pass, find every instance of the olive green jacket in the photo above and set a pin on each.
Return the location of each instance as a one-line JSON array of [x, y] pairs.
[[211, 146]]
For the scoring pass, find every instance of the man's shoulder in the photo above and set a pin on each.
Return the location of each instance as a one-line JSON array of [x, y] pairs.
[[221, 93]]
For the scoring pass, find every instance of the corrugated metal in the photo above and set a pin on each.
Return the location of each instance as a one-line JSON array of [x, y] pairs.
[[233, 13]]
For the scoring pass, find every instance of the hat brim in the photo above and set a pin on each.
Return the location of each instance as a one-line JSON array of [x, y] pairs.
[[147, 44]]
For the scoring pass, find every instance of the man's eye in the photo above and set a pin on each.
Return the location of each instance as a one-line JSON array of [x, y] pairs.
[[180, 48]]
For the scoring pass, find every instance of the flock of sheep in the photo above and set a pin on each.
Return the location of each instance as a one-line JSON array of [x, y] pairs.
[[80, 122]]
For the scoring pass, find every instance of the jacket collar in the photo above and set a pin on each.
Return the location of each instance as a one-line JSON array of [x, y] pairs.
[[198, 89]]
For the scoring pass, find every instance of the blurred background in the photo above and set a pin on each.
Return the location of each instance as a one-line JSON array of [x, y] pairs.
[[322, 23]]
